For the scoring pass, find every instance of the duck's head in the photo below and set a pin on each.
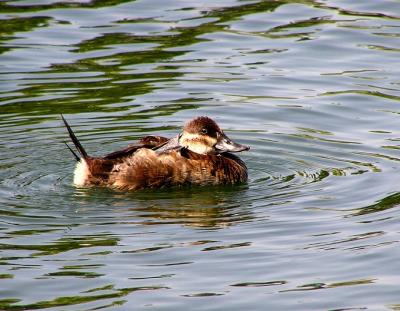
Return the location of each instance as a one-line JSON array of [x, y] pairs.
[[202, 135]]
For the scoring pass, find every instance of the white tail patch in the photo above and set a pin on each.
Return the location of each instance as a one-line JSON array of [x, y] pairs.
[[81, 173]]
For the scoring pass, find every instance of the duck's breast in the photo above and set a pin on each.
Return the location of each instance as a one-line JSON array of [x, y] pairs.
[[216, 169]]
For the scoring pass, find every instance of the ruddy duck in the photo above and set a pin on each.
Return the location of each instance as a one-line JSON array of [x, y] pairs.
[[200, 155]]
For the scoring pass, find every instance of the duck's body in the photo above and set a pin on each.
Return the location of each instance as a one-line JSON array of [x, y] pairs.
[[196, 157]]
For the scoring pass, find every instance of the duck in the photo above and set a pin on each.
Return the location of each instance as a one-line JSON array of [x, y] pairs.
[[202, 154]]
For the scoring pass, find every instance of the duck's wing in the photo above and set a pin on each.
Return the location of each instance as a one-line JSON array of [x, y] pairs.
[[124, 152], [170, 144], [153, 140], [148, 142]]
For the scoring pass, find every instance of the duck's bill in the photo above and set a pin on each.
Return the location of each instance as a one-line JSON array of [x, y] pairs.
[[225, 144]]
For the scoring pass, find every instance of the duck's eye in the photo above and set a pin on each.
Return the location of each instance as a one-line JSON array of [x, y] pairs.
[[204, 131]]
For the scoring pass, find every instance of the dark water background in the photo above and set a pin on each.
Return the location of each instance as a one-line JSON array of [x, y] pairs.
[[312, 86]]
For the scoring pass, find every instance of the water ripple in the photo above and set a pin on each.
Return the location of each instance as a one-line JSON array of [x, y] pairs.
[[311, 86]]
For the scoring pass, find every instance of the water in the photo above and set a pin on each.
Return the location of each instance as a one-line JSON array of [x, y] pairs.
[[312, 87]]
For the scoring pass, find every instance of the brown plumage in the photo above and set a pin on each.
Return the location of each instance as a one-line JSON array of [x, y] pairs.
[[198, 156]]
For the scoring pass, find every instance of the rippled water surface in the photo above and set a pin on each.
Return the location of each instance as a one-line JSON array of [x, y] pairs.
[[312, 86]]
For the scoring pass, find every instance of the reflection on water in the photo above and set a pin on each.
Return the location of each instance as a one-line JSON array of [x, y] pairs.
[[202, 207], [209, 207], [311, 86], [391, 201]]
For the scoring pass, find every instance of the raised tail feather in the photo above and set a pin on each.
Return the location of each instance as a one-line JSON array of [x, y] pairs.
[[76, 142], [77, 158]]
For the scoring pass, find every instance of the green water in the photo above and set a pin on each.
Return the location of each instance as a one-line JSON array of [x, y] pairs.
[[311, 86]]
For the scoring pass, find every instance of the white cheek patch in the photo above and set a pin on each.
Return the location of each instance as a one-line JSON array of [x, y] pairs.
[[197, 143], [199, 148], [81, 173]]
